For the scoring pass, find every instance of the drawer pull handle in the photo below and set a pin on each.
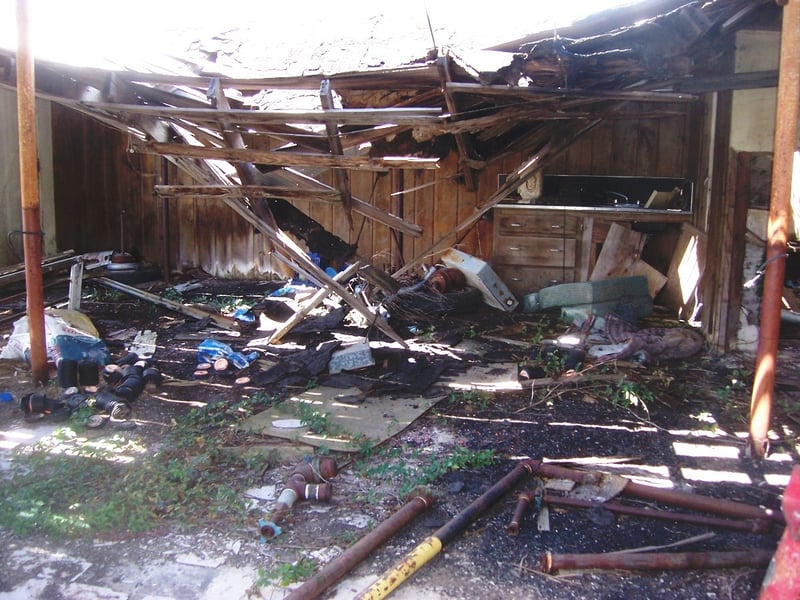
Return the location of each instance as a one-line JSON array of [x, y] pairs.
[[555, 226], [556, 250], [514, 249], [515, 224]]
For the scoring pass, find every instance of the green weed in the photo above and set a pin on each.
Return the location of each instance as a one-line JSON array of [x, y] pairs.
[[632, 396], [284, 574], [479, 399]]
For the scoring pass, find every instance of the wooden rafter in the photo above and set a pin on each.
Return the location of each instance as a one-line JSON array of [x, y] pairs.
[[466, 153], [342, 177], [288, 159], [249, 191], [415, 117]]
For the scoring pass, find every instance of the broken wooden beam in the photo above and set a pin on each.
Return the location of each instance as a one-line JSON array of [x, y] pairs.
[[189, 311], [312, 303], [415, 117], [342, 177], [288, 159], [463, 142], [548, 93], [249, 191]]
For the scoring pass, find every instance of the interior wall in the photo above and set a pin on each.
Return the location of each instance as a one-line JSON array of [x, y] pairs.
[[97, 178], [10, 202], [104, 194]]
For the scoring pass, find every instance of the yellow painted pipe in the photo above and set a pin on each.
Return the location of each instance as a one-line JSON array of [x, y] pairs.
[[413, 561]]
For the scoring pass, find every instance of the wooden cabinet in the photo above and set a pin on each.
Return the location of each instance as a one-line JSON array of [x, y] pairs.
[[535, 249]]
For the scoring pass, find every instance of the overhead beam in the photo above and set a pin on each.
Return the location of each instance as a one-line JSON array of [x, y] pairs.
[[249, 191], [287, 159], [417, 117], [547, 94], [341, 175], [463, 143]]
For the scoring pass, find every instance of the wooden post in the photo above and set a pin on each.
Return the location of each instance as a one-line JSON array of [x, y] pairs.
[[777, 228], [29, 192]]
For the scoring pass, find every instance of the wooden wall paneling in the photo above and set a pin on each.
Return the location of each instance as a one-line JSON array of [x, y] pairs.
[[364, 185], [186, 227], [68, 151], [647, 156], [600, 138], [467, 201], [671, 148], [579, 156], [422, 211], [426, 211], [557, 165], [741, 179], [715, 295], [444, 201], [145, 174], [624, 146], [380, 251]]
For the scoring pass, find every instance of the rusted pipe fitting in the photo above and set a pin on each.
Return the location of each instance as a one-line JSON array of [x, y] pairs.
[[525, 498], [296, 488], [317, 469], [321, 492], [665, 561]]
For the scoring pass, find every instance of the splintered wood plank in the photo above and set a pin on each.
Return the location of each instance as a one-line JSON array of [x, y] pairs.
[[622, 248], [685, 273]]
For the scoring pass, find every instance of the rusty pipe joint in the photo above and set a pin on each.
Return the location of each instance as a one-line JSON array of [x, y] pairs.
[[303, 484], [317, 469], [524, 499]]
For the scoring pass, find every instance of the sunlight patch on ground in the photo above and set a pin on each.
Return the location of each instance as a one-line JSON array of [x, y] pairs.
[[705, 450], [714, 476]]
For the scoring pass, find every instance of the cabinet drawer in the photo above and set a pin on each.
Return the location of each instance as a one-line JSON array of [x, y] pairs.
[[519, 222], [524, 280], [535, 250]]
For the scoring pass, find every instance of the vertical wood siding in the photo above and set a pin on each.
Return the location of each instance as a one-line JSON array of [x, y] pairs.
[[96, 178]]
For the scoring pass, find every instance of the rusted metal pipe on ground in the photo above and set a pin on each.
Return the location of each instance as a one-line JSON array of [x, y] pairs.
[[783, 576], [663, 561], [308, 481], [753, 526], [718, 506], [433, 545], [340, 566]]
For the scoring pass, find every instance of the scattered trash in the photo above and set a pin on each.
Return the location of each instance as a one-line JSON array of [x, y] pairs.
[[213, 352], [354, 356]]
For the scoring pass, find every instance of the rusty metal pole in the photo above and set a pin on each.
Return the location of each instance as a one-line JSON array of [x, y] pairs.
[[340, 566], [719, 506], [29, 191], [432, 545], [550, 563], [777, 229], [753, 526]]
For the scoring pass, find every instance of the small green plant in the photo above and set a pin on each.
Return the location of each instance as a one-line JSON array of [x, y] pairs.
[[479, 399], [172, 295], [309, 416], [409, 470], [632, 396], [284, 574], [554, 364]]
